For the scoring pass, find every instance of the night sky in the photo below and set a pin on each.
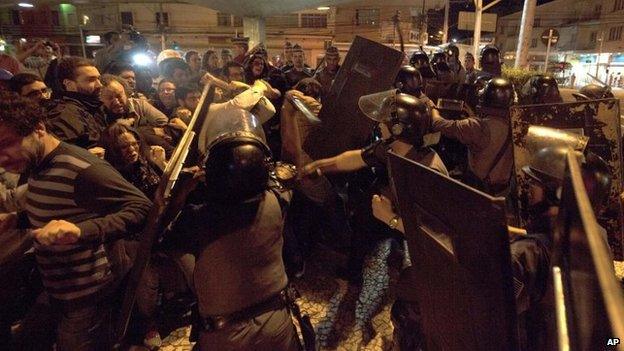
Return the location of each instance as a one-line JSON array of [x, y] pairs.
[[503, 8]]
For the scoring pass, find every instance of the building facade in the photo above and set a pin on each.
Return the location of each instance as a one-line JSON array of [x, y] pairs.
[[184, 26], [591, 38]]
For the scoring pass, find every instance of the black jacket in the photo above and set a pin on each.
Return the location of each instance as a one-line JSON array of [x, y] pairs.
[[77, 119]]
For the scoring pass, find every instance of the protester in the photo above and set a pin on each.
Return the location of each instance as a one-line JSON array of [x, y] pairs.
[[30, 86], [77, 204], [78, 117]]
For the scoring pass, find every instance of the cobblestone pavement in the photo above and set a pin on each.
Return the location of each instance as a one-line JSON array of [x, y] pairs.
[[332, 305], [345, 318]]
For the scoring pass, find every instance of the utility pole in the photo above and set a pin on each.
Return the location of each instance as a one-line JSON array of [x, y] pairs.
[[446, 22], [599, 52], [479, 8], [526, 27], [550, 38], [161, 27]]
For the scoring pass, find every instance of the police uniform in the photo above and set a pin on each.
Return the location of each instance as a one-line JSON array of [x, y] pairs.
[[490, 152], [236, 237], [325, 76]]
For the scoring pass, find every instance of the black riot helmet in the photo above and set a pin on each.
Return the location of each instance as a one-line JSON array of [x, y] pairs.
[[593, 92], [419, 59], [407, 117], [490, 60], [548, 148], [540, 89], [453, 52], [496, 97], [236, 171], [235, 163], [409, 81], [439, 57], [410, 119], [597, 178]]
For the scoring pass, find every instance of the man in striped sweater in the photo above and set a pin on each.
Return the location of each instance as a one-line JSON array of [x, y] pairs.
[[78, 208]]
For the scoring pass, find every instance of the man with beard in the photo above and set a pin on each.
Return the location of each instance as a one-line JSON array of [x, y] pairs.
[[299, 71], [326, 75], [78, 117], [130, 111], [78, 209]]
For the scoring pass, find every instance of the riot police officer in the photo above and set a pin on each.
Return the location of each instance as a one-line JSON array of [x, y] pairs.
[[540, 89], [488, 138], [405, 123], [410, 81], [236, 236], [420, 61], [593, 92], [327, 74], [452, 52], [490, 60]]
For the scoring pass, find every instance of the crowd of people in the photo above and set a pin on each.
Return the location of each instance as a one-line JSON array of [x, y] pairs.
[[85, 143]]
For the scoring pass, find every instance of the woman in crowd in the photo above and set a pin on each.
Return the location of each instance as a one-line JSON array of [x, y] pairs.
[[137, 162], [256, 68], [165, 100]]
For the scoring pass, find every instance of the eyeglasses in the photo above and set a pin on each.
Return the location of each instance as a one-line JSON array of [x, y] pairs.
[[45, 93]]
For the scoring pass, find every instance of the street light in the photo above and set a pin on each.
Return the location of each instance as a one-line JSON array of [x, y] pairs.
[[454, 40], [323, 8], [25, 4]]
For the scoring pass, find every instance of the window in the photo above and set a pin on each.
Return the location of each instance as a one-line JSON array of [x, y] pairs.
[[368, 17], [56, 20], [309, 20], [615, 33], [224, 19], [127, 18], [16, 17], [284, 21], [593, 37], [618, 5], [534, 43], [597, 10], [162, 19], [537, 22], [238, 21]]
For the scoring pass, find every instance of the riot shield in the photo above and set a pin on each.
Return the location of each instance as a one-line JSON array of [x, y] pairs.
[[459, 247], [368, 68], [588, 298], [598, 120]]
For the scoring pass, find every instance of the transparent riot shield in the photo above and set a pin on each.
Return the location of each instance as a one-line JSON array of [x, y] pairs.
[[599, 121]]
